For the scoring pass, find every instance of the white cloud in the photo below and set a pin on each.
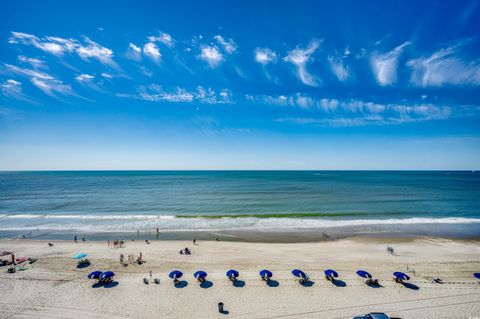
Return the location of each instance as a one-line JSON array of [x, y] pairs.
[[354, 112], [443, 67], [51, 87], [134, 52], [59, 46], [84, 77], [338, 67], [228, 45], [151, 50], [265, 56], [156, 93], [107, 75], [11, 88], [211, 55], [384, 65], [300, 57], [164, 38], [45, 82], [34, 62], [28, 72], [95, 51]]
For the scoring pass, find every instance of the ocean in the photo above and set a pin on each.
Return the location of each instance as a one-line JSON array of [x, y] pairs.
[[387, 203]]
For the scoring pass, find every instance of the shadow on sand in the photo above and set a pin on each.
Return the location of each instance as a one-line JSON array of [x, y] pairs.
[[410, 286], [339, 283], [206, 284], [181, 284], [308, 283], [272, 283], [111, 284], [239, 283]]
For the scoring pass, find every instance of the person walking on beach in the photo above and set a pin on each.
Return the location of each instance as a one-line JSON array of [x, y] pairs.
[[194, 241], [75, 239]]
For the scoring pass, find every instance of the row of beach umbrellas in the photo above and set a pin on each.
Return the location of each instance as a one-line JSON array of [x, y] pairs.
[[265, 273]]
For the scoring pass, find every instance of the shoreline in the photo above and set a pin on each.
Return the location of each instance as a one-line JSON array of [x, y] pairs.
[[251, 236]]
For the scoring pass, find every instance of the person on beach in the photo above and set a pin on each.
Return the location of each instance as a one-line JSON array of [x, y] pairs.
[[194, 240], [121, 259], [75, 239]]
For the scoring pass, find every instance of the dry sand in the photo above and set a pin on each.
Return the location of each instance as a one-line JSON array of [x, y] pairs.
[[54, 288]]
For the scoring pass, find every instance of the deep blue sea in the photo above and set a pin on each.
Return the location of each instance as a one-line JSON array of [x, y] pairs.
[[127, 201]]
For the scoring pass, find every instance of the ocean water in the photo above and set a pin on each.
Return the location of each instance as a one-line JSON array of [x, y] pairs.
[[318, 201]]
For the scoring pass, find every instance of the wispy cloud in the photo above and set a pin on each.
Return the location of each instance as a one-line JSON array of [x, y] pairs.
[[164, 38], [228, 44], [34, 62], [152, 51], [354, 112], [52, 87], [445, 67], [156, 93], [12, 88], [86, 49], [265, 56], [43, 81], [339, 68], [300, 58], [384, 65], [134, 52], [211, 55]]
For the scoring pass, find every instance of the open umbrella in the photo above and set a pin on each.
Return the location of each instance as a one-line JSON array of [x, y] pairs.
[[401, 275], [107, 274], [331, 273], [265, 273], [200, 274], [298, 273], [477, 275], [94, 274], [79, 256], [175, 274], [232, 273], [363, 274]]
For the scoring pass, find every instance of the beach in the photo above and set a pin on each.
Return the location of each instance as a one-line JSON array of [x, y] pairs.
[[53, 287]]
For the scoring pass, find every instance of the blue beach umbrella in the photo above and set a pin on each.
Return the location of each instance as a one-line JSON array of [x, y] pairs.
[[232, 273], [331, 273], [477, 275], [79, 256], [401, 275], [298, 273], [265, 273], [363, 274], [175, 274], [94, 274], [107, 274], [200, 274]]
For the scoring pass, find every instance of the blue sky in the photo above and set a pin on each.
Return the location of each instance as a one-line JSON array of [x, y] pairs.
[[240, 85]]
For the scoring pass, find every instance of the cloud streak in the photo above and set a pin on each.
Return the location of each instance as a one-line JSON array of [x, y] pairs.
[[445, 67], [384, 65], [86, 49], [300, 58]]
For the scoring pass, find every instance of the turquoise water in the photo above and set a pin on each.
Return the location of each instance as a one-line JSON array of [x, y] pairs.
[[103, 201]]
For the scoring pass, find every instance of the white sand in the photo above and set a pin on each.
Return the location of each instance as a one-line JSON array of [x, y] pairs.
[[54, 288]]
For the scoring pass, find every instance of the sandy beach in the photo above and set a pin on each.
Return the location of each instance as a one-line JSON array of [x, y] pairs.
[[53, 287]]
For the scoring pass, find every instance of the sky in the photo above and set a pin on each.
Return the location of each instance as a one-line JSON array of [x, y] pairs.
[[240, 85]]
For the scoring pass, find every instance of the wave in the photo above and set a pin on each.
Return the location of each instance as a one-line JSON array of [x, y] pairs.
[[126, 223]]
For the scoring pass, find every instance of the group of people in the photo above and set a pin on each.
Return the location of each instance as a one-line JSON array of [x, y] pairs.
[[131, 259], [185, 251], [117, 243]]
